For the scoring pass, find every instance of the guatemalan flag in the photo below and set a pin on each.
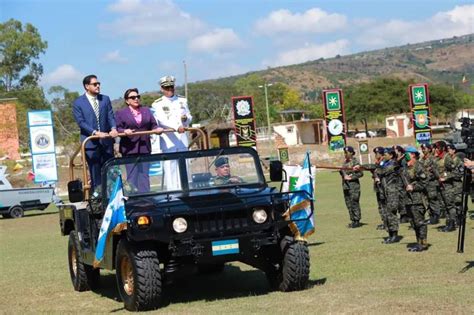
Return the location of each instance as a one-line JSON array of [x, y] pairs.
[[301, 203], [114, 220]]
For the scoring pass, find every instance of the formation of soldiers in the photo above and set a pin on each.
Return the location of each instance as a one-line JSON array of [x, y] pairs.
[[408, 183]]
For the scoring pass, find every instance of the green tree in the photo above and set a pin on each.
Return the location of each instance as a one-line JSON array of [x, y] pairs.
[[20, 46], [66, 129]]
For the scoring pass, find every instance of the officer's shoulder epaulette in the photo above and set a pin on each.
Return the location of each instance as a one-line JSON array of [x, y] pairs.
[[159, 99]]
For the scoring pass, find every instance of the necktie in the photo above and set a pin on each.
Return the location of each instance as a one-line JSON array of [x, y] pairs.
[[96, 111]]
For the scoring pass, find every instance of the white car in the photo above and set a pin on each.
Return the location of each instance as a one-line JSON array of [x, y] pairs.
[[363, 135]]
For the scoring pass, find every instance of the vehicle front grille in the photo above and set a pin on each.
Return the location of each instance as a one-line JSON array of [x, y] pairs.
[[221, 221]]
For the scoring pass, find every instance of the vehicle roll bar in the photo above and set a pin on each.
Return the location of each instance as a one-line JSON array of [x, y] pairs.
[[201, 139]]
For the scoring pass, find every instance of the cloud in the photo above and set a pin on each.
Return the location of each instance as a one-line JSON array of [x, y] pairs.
[[216, 41], [310, 52], [114, 57], [456, 22], [62, 75], [150, 21], [313, 20]]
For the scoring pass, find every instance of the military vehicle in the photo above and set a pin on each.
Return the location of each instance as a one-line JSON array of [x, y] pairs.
[[197, 223]]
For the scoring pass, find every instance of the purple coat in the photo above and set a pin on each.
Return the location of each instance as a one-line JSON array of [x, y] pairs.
[[137, 144]]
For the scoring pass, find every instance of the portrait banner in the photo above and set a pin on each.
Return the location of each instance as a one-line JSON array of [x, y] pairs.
[[420, 109], [244, 121], [335, 119]]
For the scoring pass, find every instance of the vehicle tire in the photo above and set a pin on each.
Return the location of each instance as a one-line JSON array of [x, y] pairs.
[[138, 274], [16, 212], [293, 272], [84, 277], [210, 268]]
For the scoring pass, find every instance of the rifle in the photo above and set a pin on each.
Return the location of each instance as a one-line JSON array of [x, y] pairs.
[[405, 181], [466, 185]]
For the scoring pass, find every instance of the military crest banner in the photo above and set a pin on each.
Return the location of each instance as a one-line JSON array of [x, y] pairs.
[[335, 119], [420, 109], [244, 121]]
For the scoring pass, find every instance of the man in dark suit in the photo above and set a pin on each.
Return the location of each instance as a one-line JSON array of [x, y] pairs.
[[93, 113]]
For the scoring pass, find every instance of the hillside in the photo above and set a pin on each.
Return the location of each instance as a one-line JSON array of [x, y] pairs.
[[438, 61]]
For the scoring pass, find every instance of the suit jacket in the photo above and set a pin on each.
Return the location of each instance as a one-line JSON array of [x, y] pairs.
[[87, 121], [136, 144]]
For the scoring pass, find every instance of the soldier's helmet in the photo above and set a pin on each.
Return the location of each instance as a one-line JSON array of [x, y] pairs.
[[168, 80], [379, 150], [349, 149]]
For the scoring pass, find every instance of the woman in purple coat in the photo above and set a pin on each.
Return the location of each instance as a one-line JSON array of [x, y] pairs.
[[133, 118]]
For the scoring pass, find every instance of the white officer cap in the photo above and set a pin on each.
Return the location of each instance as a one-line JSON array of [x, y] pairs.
[[167, 80]]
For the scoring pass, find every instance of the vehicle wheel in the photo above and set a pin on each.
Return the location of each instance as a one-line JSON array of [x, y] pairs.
[[293, 272], [210, 268], [16, 212], [84, 277], [138, 277]]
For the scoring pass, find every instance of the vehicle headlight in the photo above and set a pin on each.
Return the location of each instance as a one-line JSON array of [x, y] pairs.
[[180, 225], [259, 216]]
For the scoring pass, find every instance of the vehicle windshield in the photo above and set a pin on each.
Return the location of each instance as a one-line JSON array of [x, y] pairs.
[[188, 171]]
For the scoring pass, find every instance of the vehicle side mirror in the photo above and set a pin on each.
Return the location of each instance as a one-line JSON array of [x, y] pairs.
[[75, 191], [276, 171]]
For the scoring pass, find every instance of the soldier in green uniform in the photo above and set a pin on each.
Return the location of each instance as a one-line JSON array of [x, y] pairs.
[[400, 152], [390, 179], [453, 187], [441, 157], [379, 193], [223, 176], [351, 186], [416, 180], [432, 185]]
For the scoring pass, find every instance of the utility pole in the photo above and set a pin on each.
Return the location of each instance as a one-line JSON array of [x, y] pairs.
[[185, 80], [268, 110]]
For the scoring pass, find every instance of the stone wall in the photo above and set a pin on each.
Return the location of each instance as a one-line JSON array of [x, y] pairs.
[[9, 141]]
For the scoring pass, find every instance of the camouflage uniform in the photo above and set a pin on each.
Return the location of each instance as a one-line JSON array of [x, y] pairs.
[[432, 188], [416, 177], [379, 192], [439, 171], [453, 189], [351, 189], [224, 180], [391, 184], [402, 202]]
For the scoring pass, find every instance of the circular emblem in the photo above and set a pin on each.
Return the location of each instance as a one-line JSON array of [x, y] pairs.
[[363, 147], [243, 108], [42, 141], [335, 127]]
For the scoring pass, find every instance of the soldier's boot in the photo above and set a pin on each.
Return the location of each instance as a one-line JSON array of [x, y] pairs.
[[393, 238], [381, 227], [356, 224], [386, 240], [417, 247], [450, 227], [434, 219]]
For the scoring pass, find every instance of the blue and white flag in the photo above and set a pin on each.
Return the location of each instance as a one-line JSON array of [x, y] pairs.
[[114, 220], [301, 203]]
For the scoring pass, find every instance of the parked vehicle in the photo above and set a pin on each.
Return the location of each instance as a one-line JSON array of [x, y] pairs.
[[15, 201]]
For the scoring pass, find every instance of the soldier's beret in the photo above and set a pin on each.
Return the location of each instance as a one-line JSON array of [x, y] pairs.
[[221, 161], [167, 81], [349, 149], [389, 150], [411, 149], [379, 150]]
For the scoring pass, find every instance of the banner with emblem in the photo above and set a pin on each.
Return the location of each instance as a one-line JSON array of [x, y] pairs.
[[335, 119], [244, 121], [420, 109], [42, 146]]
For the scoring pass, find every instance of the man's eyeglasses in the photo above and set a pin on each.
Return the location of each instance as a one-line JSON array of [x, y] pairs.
[[134, 97], [95, 83]]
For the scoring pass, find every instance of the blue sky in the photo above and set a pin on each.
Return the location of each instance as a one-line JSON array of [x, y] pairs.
[[132, 43]]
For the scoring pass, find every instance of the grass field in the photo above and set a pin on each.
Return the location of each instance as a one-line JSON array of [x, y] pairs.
[[351, 271]]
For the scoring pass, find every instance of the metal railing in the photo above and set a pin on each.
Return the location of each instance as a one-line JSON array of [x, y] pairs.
[[200, 139]]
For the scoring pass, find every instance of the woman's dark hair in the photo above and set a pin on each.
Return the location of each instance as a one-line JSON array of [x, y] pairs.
[[127, 92]]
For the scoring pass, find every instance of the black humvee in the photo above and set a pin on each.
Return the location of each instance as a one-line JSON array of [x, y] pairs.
[[195, 221]]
